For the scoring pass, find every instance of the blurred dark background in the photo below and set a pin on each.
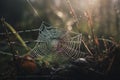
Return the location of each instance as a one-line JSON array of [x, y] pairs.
[[23, 13], [28, 14]]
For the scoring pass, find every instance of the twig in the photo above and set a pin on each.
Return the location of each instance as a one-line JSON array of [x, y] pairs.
[[15, 33], [110, 64], [87, 47], [72, 12], [90, 24]]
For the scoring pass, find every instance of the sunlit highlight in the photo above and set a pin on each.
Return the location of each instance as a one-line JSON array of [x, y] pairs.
[[35, 11]]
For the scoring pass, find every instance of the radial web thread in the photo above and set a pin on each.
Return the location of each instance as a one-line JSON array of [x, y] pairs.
[[56, 40]]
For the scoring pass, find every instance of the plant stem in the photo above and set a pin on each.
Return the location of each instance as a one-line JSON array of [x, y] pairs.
[[16, 34]]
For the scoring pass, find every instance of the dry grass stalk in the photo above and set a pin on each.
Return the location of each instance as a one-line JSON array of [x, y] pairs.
[[90, 24]]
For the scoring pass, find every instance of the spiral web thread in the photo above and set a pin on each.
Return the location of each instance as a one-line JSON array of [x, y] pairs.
[[70, 46], [65, 42], [47, 34]]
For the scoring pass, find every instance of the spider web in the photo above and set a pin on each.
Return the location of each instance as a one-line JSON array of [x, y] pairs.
[[56, 40], [70, 45], [47, 41]]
